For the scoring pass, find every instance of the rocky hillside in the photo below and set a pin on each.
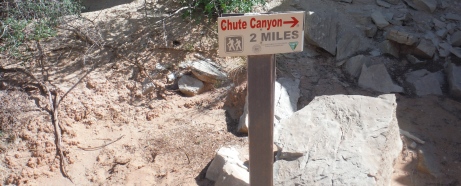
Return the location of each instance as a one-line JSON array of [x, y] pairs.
[[148, 101]]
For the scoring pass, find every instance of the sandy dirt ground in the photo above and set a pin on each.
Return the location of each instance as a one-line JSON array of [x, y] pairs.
[[115, 135]]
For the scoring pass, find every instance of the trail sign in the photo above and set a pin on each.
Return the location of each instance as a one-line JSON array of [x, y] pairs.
[[259, 34]]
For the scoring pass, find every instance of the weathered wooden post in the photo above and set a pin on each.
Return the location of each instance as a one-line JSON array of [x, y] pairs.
[[260, 36]]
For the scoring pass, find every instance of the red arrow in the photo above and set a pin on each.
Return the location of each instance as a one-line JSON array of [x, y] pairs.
[[294, 22]]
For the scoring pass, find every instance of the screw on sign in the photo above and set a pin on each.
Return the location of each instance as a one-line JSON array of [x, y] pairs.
[[260, 36]]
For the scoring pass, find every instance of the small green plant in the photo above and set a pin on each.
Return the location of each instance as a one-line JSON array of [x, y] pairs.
[[31, 20], [217, 7]]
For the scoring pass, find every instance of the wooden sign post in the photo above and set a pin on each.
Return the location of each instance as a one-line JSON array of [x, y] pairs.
[[260, 36]]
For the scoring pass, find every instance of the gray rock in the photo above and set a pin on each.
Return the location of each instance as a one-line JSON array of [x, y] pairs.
[[147, 86], [428, 163], [442, 33], [346, 1], [456, 51], [359, 16], [376, 77], [233, 175], [394, 2], [413, 59], [354, 65], [243, 125], [451, 28], [207, 71], [171, 77], [454, 80], [411, 4], [324, 143], [185, 64], [444, 4], [370, 30], [388, 16], [455, 39], [389, 47], [426, 5], [452, 16], [422, 82], [379, 19], [286, 97], [375, 53], [323, 34], [402, 16], [383, 3], [444, 49], [227, 163], [425, 49], [395, 22], [348, 44], [190, 86], [438, 24], [401, 37]]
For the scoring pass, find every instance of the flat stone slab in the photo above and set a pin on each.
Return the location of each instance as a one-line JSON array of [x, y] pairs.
[[379, 19], [401, 37], [339, 140], [207, 72], [376, 77], [422, 82], [323, 34]]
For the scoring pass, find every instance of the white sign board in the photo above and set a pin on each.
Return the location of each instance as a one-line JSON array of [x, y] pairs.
[[258, 34]]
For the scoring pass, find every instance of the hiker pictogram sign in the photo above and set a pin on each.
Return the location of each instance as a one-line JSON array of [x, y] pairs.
[[259, 34]]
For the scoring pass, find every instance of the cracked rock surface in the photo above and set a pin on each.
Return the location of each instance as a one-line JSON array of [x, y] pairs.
[[339, 140]]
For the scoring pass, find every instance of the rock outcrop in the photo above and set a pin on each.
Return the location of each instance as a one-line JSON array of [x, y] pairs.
[[323, 34], [339, 140]]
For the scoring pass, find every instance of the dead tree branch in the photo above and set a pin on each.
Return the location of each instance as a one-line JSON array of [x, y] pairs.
[[54, 107], [102, 146]]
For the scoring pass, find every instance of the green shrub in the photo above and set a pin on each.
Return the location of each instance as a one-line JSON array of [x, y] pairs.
[[218, 7], [31, 20]]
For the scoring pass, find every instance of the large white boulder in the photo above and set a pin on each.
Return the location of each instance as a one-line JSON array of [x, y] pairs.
[[286, 97], [339, 140]]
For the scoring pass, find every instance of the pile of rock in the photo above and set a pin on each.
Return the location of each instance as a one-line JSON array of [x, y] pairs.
[[201, 72], [413, 31], [335, 140]]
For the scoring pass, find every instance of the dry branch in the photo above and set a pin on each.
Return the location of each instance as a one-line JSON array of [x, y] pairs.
[[411, 136], [54, 107], [102, 146]]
